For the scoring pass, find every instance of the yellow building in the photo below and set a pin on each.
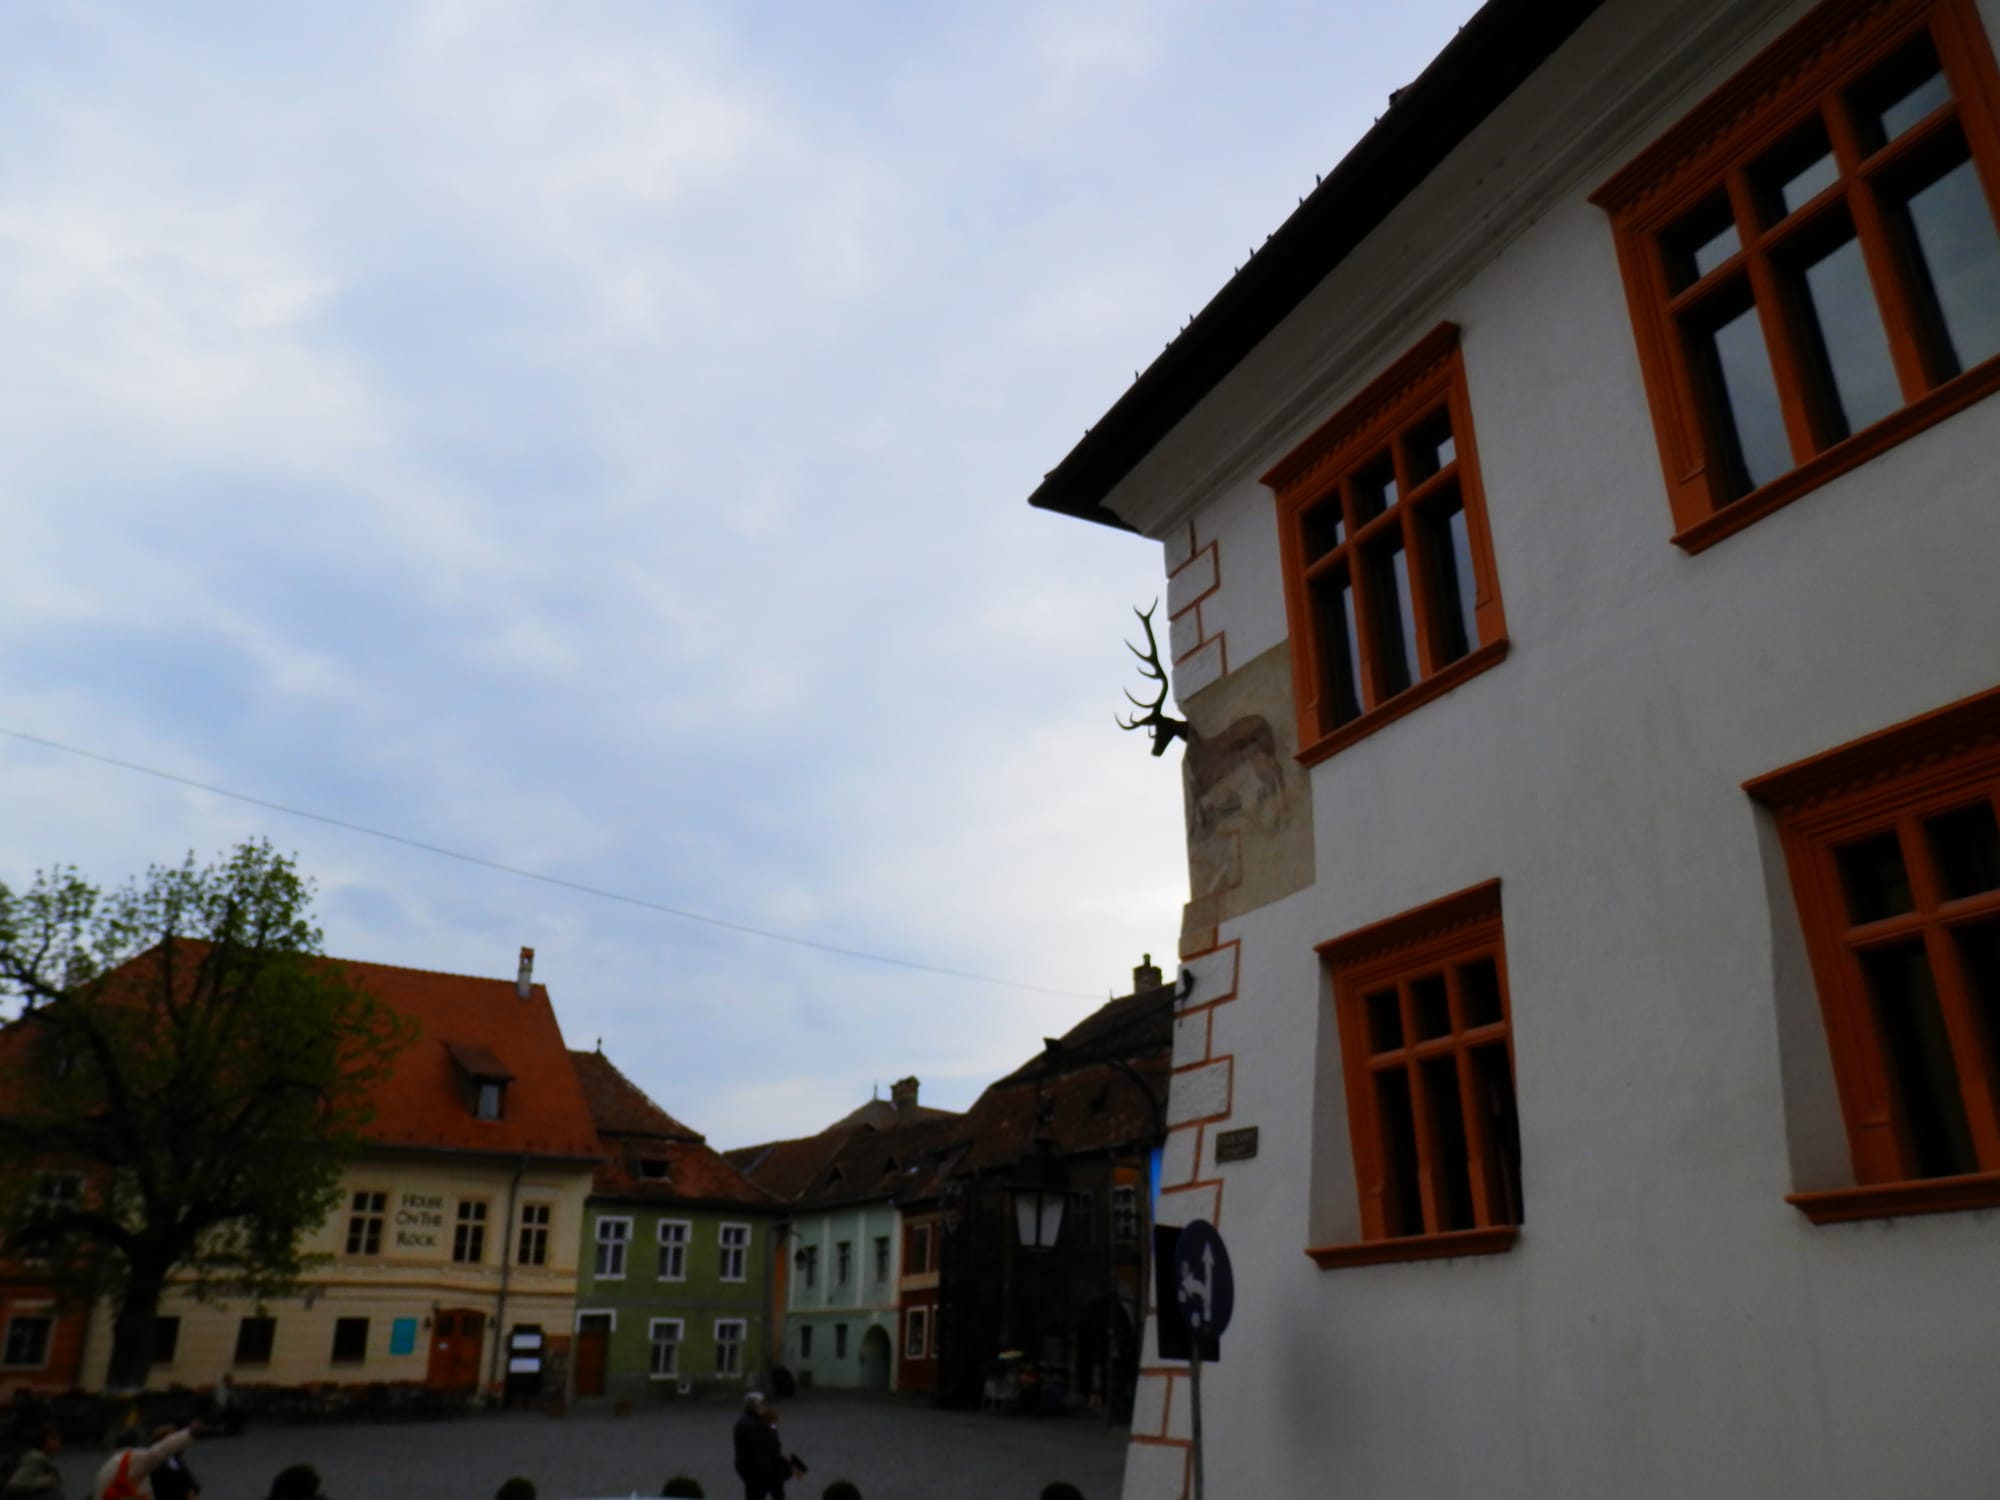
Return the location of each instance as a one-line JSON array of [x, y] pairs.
[[459, 1222]]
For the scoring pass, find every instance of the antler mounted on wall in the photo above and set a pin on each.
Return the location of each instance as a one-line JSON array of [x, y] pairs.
[[1166, 728]]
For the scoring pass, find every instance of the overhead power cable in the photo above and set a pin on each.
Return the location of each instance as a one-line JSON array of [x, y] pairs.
[[578, 886]]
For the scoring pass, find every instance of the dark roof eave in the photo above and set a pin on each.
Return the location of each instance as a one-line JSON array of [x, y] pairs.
[[1493, 54]]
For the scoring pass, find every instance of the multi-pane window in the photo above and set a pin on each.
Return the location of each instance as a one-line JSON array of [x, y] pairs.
[[350, 1341], [1812, 258], [254, 1340], [366, 1213], [917, 1250], [881, 1258], [809, 1267], [1389, 580], [735, 1252], [468, 1235], [843, 1263], [1897, 878], [27, 1343], [729, 1346], [533, 1249], [1124, 1213], [673, 1249], [916, 1337], [55, 1193], [1422, 1011], [613, 1237], [664, 1337]]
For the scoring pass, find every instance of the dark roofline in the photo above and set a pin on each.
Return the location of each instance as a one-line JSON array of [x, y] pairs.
[[1493, 54]]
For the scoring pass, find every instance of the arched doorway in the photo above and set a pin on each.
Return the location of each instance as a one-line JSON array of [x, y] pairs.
[[875, 1359]]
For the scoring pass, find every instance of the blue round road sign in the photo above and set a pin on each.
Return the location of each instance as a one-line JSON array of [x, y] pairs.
[[1202, 1278]]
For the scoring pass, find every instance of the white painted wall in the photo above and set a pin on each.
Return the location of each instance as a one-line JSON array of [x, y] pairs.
[[1667, 1325]]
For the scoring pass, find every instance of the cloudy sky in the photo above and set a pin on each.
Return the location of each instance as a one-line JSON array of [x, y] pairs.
[[595, 438]]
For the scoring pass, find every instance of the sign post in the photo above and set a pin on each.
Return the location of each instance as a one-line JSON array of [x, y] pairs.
[[1207, 1293]]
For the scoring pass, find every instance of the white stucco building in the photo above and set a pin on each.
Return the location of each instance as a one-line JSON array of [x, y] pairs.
[[1583, 553]]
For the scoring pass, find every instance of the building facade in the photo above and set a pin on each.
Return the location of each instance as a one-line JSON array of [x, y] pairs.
[[458, 1225], [674, 1294], [1579, 534]]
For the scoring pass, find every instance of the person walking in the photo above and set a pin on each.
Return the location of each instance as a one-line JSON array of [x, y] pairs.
[[760, 1460]]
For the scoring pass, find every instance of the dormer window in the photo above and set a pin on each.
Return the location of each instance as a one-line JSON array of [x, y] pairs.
[[485, 1079], [653, 1168]]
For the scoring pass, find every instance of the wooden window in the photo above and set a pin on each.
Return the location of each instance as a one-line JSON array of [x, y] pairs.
[[664, 1336], [350, 1341], [809, 1267], [1811, 256], [27, 1343], [805, 1341], [1893, 847], [1427, 1052], [843, 1263], [881, 1258], [917, 1250], [468, 1235], [534, 1242], [729, 1347], [916, 1340], [613, 1236], [673, 1249], [1389, 581], [734, 1240], [255, 1338], [367, 1210]]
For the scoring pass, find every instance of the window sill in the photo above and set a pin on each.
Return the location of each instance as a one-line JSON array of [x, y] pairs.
[[1412, 697], [1885, 1200], [1496, 1240], [1871, 442]]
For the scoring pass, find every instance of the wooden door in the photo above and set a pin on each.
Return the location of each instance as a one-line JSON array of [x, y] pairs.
[[593, 1345], [456, 1337]]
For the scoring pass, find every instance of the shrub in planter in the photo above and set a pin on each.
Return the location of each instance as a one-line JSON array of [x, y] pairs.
[[684, 1485]]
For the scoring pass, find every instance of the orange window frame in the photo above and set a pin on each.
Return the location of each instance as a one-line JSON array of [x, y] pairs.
[[1900, 784], [1410, 1021], [1725, 156], [1365, 490]]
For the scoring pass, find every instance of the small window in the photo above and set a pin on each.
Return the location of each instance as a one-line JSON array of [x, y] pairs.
[[366, 1213], [534, 1239], [350, 1341], [254, 1340], [840, 1341], [1897, 880], [653, 1168], [1812, 259], [488, 1100], [729, 1348], [612, 1238], [27, 1343], [1125, 1214], [673, 1249], [1389, 578], [735, 1252], [805, 1341], [664, 1337], [1426, 1048], [809, 1267], [881, 1259], [468, 1235], [166, 1339], [917, 1252], [916, 1336]]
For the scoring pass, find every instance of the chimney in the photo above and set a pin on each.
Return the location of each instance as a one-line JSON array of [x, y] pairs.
[[525, 982], [903, 1093], [1147, 976]]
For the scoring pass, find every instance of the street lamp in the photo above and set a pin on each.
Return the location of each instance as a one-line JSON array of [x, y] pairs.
[[1038, 1215]]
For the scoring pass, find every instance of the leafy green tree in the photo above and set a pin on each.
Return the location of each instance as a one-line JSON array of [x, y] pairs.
[[181, 1078]]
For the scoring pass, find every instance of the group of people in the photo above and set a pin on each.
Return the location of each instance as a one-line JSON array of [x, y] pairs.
[[152, 1471]]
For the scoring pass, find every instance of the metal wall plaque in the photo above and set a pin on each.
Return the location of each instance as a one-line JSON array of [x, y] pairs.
[[1236, 1145]]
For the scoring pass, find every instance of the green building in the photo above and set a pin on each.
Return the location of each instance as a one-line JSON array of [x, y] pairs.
[[674, 1284]]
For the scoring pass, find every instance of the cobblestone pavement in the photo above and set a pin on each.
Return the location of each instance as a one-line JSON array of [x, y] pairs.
[[894, 1449]]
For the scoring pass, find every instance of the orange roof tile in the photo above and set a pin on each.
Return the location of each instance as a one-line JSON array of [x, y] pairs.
[[648, 1154]]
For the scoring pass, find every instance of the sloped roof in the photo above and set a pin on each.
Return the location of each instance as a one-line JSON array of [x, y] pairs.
[[825, 1168], [424, 1103], [649, 1156], [618, 1106]]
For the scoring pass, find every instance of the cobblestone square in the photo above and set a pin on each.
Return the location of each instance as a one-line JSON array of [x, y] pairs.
[[892, 1448]]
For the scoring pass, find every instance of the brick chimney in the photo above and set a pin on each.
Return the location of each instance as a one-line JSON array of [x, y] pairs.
[[524, 983], [903, 1093], [1147, 976]]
